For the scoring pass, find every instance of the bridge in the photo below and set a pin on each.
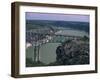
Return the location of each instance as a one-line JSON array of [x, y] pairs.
[[40, 38]]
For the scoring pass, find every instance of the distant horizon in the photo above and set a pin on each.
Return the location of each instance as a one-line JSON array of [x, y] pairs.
[[57, 17], [55, 20]]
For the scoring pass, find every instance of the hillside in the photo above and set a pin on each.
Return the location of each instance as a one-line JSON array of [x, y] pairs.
[[32, 24]]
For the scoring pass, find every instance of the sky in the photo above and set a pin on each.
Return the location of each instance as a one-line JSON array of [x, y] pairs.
[[57, 17]]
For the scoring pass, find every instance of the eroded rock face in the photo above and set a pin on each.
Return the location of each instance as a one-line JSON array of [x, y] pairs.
[[73, 52]]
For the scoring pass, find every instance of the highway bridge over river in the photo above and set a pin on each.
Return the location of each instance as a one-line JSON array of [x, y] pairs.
[[39, 38]]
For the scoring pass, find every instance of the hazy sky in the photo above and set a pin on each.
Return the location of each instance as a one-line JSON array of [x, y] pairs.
[[60, 17]]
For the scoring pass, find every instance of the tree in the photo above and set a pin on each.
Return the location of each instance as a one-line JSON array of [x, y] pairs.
[[85, 38]]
